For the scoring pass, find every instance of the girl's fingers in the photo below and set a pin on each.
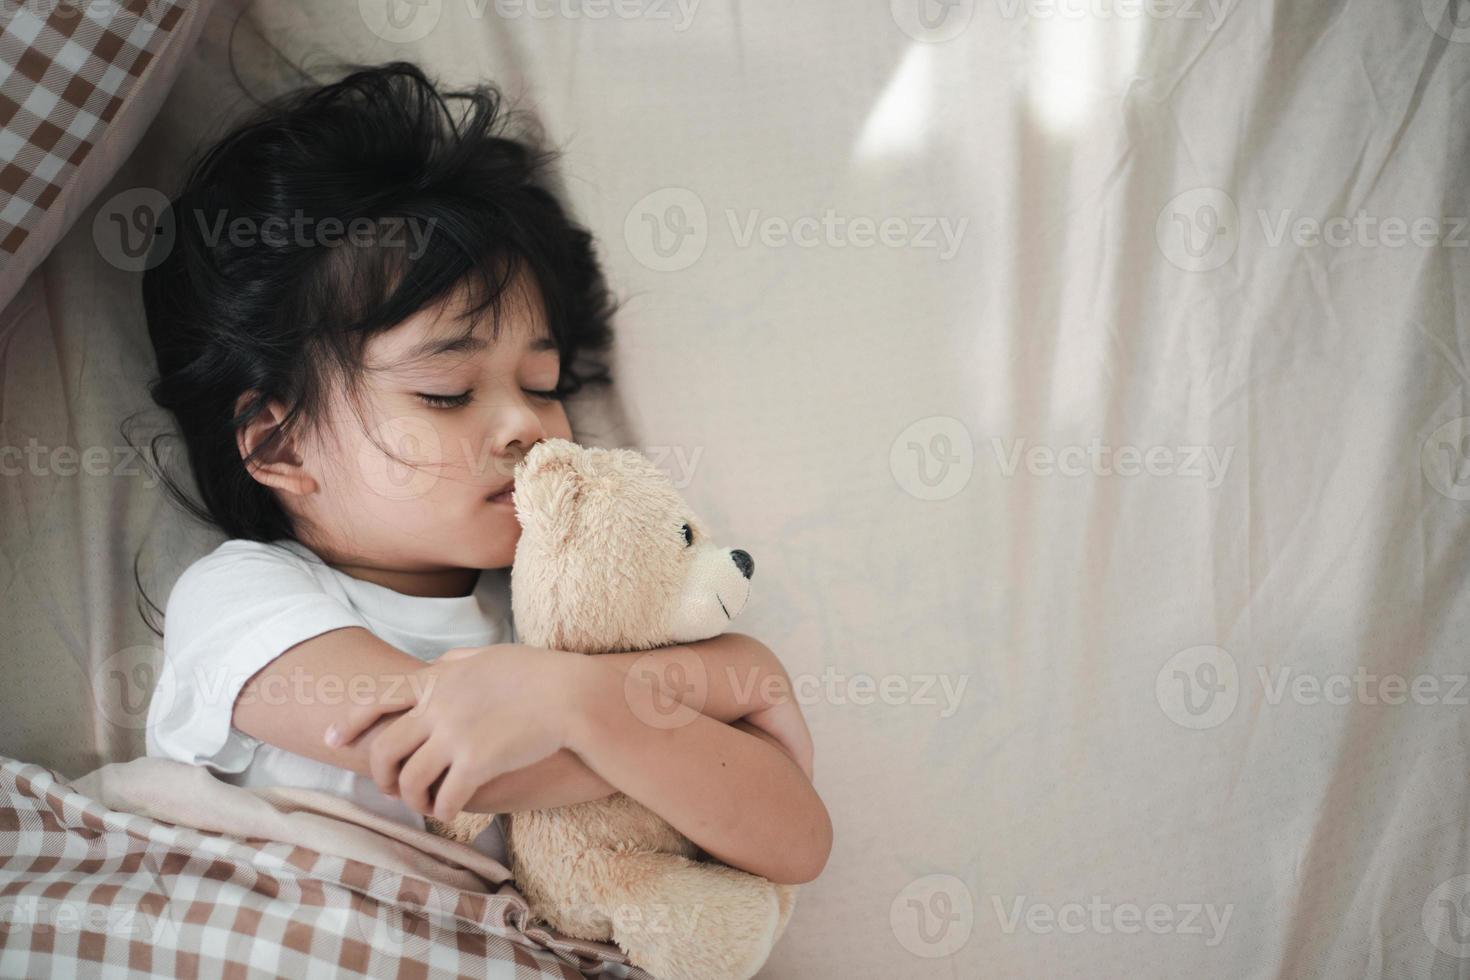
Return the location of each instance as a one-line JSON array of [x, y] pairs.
[[394, 744], [361, 718], [458, 787], [419, 773]]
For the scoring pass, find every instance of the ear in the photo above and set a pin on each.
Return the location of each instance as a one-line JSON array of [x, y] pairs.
[[547, 483], [279, 464]]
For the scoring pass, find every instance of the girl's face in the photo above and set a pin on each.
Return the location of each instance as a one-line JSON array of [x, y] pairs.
[[461, 414]]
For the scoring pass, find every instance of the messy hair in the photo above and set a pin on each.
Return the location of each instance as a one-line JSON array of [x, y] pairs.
[[331, 214]]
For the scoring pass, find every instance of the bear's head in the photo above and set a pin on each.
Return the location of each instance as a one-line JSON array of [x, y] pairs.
[[612, 558]]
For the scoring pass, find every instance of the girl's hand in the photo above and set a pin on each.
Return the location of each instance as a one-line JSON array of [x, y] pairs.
[[475, 714]]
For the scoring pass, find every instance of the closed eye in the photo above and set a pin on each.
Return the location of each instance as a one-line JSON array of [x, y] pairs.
[[464, 397], [445, 401]]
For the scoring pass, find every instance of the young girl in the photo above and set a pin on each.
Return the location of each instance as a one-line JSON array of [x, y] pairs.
[[370, 310]]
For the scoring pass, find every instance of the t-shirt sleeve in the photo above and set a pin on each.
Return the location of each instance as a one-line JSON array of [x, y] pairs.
[[228, 615]]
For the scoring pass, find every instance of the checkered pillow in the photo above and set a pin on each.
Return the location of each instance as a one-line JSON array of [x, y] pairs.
[[75, 75]]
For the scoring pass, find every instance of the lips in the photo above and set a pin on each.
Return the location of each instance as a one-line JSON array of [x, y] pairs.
[[503, 496]]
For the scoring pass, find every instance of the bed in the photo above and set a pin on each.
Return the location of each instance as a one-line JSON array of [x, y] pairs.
[[1088, 381]]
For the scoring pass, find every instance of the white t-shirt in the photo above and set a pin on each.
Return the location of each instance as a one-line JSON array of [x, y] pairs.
[[244, 604]]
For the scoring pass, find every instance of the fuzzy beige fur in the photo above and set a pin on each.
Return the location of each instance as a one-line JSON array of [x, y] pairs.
[[603, 564]]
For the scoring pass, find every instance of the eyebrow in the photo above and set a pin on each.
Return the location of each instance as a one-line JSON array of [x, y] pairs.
[[468, 343]]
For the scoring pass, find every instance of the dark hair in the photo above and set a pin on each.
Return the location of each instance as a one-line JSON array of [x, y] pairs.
[[230, 313]]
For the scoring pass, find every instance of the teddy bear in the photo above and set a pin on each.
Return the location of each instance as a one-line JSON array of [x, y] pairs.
[[611, 558]]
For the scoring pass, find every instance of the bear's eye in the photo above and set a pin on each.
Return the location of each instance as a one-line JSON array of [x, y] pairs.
[[688, 536]]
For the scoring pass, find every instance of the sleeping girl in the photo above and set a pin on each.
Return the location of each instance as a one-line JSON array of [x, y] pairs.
[[371, 308]]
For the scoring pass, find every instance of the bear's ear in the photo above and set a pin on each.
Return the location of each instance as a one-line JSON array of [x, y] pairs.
[[548, 454], [547, 481]]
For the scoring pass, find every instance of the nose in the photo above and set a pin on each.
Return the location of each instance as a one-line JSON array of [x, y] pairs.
[[744, 562]]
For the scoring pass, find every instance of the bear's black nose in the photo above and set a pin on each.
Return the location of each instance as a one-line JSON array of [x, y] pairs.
[[744, 562]]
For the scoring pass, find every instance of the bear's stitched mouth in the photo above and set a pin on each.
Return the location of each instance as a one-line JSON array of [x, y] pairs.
[[722, 607]]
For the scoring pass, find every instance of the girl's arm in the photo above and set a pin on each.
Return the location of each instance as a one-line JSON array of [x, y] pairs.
[[733, 793], [291, 701], [315, 684], [731, 678], [740, 798]]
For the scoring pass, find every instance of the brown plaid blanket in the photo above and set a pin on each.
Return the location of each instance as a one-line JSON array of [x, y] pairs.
[[91, 890]]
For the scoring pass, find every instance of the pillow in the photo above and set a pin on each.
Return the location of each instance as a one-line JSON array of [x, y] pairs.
[[78, 86]]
